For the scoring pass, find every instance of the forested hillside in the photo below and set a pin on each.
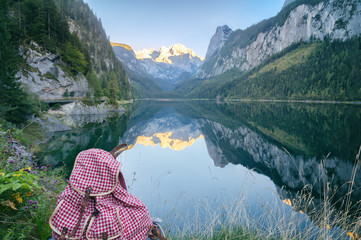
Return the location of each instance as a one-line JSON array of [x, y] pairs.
[[89, 29], [309, 50], [327, 70], [66, 34], [242, 38]]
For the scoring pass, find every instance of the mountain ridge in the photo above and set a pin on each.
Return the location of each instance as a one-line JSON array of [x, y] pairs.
[[166, 67], [297, 21]]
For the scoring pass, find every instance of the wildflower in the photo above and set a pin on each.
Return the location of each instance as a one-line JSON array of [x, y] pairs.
[[43, 167], [30, 202], [34, 172], [11, 160], [35, 202], [18, 197], [26, 208]]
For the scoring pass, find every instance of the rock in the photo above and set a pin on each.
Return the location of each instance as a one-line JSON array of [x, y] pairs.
[[303, 23], [44, 76], [50, 124], [79, 108], [217, 40]]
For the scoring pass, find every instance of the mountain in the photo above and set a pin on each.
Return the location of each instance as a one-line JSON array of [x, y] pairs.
[[297, 21], [167, 66], [310, 50], [217, 41], [287, 2], [65, 51], [177, 134]]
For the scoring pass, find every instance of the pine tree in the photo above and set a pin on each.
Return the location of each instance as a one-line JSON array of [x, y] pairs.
[[113, 88], [14, 104], [95, 84]]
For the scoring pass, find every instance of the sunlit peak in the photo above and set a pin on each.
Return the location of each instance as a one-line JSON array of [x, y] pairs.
[[164, 54]]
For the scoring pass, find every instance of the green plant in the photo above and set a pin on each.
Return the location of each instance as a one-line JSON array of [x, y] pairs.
[[15, 183], [49, 75], [26, 193], [56, 106]]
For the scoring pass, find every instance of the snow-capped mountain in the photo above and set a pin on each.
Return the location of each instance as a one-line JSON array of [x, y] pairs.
[[166, 66], [168, 54]]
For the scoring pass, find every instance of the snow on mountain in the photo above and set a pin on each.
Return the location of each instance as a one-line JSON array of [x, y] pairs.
[[165, 54], [167, 66]]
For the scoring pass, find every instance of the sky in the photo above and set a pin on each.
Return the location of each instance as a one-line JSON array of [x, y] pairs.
[[155, 23]]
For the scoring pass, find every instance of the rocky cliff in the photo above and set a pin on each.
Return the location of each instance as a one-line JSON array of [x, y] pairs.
[[335, 19], [217, 40], [56, 58], [166, 66], [43, 74]]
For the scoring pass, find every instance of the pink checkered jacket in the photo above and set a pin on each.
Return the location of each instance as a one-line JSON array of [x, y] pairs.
[[96, 204]]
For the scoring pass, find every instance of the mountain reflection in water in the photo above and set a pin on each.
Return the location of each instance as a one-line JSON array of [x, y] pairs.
[[226, 152], [166, 140]]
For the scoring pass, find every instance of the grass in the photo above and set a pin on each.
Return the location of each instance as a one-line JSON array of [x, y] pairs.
[[307, 217], [24, 211], [294, 57], [27, 191]]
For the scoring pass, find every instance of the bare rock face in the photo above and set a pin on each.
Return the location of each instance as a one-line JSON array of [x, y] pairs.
[[332, 19], [217, 40], [44, 76]]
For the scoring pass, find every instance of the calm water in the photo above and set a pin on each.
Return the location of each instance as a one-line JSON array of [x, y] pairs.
[[200, 161]]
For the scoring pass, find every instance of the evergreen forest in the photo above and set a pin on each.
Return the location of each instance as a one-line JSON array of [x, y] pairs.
[[314, 70], [84, 50]]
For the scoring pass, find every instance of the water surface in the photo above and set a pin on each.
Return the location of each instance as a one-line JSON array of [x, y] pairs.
[[198, 161]]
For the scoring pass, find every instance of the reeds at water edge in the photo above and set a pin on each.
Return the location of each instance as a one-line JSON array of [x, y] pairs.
[[321, 214]]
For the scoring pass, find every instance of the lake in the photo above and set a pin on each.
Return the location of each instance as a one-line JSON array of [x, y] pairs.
[[198, 163]]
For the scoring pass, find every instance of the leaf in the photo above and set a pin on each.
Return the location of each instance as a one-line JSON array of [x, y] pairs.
[[10, 204], [18, 197], [28, 168], [29, 194], [3, 188], [16, 186]]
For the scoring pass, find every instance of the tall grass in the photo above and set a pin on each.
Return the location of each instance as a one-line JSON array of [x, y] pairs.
[[326, 216]]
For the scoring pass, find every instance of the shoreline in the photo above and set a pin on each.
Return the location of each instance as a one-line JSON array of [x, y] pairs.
[[249, 100]]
